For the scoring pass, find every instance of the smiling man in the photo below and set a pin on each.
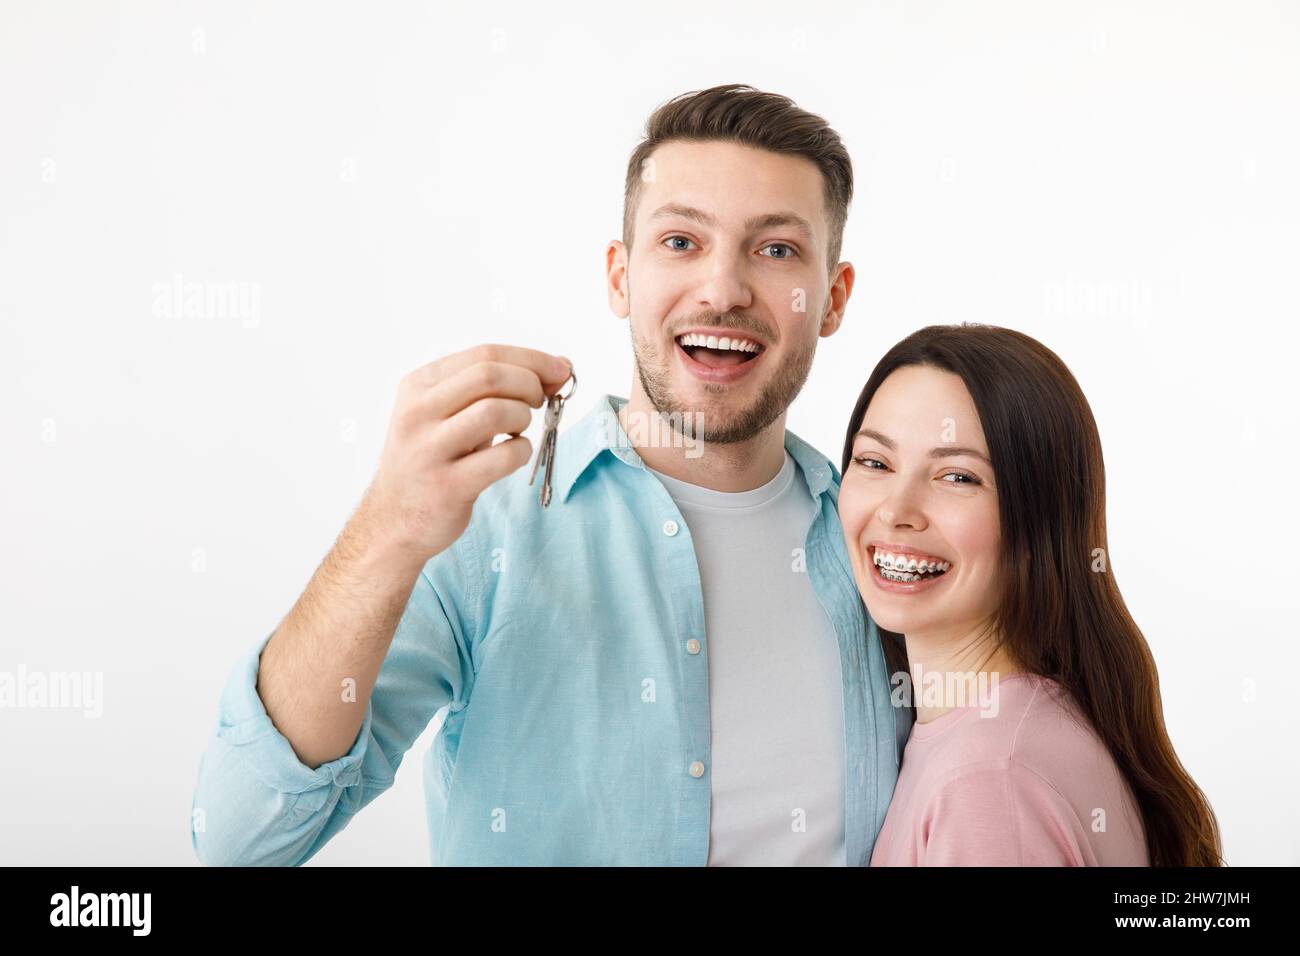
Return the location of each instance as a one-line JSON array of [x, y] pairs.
[[671, 664], [723, 329]]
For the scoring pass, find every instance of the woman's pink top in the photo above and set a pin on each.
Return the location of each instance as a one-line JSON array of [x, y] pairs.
[[1032, 785]]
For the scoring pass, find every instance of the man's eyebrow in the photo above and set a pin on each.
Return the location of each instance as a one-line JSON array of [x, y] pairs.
[[779, 220], [943, 451], [771, 220]]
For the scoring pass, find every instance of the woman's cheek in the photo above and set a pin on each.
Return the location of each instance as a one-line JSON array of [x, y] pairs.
[[855, 510]]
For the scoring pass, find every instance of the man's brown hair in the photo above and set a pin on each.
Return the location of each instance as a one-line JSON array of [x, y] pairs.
[[741, 114]]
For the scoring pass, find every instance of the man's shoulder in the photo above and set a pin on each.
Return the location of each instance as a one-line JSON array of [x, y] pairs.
[[818, 470]]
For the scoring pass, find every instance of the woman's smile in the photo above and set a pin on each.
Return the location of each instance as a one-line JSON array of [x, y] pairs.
[[902, 570]]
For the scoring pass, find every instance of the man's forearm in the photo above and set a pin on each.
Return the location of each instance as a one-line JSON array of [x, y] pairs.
[[340, 628]]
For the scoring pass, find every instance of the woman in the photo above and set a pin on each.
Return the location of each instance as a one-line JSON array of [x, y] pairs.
[[973, 507]]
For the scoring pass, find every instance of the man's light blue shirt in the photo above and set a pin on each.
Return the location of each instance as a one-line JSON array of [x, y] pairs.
[[540, 632]]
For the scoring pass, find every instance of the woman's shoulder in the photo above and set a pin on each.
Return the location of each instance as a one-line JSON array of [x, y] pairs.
[[1031, 723], [1038, 759]]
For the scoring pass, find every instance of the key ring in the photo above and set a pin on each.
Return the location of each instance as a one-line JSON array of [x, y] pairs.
[[573, 388]]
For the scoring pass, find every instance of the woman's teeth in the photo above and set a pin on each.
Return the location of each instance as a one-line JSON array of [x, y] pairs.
[[908, 567]]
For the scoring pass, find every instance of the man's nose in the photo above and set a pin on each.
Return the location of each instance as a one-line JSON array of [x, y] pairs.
[[726, 287]]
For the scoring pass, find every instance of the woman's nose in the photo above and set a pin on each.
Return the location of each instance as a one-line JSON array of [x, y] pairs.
[[901, 510]]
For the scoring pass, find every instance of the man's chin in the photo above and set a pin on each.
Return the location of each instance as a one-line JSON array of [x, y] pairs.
[[723, 412], [722, 419]]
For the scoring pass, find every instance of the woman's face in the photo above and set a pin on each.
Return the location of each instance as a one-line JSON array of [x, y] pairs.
[[920, 487]]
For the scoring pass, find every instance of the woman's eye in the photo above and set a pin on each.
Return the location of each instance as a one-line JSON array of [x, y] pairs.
[[781, 245], [864, 459], [965, 479], [677, 239]]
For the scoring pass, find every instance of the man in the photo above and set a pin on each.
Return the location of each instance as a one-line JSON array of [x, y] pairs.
[[669, 665]]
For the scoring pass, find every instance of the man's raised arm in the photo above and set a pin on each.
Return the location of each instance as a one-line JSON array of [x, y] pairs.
[[296, 713]]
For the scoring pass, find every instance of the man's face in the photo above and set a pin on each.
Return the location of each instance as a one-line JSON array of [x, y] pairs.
[[729, 242]]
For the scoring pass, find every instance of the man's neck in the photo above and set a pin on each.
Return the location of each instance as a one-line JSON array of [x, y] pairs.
[[737, 466]]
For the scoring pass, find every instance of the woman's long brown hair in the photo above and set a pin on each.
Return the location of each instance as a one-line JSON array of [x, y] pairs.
[[1061, 614]]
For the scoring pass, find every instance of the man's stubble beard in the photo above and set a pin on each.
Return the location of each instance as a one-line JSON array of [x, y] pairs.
[[774, 399]]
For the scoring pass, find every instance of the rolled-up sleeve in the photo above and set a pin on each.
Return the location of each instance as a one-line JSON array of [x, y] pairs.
[[256, 804]]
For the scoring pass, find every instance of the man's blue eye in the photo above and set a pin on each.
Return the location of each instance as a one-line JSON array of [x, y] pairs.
[[773, 245], [674, 238]]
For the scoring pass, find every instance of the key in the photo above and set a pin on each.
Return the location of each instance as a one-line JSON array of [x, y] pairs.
[[546, 451]]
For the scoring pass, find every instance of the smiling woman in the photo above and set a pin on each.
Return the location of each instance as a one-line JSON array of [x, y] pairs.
[[973, 504]]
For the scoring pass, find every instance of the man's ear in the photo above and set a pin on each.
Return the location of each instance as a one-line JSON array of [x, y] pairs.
[[620, 302], [837, 299]]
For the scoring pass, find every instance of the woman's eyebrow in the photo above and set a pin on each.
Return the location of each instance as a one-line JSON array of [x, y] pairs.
[[943, 451]]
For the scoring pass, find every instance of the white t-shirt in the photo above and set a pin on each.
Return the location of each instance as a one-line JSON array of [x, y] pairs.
[[775, 694]]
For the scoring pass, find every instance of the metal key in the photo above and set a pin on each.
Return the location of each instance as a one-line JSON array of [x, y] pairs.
[[550, 429]]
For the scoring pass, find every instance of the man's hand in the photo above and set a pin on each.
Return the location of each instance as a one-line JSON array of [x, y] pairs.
[[438, 455]]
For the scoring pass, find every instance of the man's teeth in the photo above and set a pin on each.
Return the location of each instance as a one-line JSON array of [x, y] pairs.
[[724, 343], [907, 567]]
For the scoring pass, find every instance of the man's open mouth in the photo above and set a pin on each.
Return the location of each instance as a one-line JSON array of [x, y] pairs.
[[719, 351]]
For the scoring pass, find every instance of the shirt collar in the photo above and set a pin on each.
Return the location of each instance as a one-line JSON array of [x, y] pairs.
[[600, 430]]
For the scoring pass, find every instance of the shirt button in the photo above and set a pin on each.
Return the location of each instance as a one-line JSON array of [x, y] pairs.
[[697, 769], [670, 527], [693, 646]]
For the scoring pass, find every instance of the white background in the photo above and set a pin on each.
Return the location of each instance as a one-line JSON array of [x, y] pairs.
[[401, 181]]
